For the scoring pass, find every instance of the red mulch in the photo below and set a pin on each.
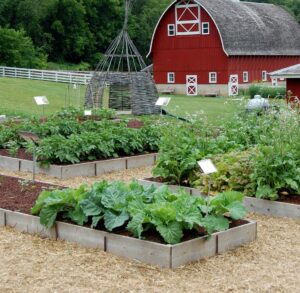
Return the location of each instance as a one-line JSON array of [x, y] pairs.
[[20, 195], [21, 154]]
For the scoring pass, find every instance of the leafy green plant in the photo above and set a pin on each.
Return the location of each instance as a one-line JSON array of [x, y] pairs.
[[234, 171], [139, 209], [64, 202], [266, 91]]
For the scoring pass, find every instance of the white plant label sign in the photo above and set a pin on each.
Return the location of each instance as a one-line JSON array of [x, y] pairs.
[[163, 101], [41, 100], [207, 166], [87, 112]]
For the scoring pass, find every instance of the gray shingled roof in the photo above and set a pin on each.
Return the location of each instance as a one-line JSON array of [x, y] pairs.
[[291, 72], [250, 28]]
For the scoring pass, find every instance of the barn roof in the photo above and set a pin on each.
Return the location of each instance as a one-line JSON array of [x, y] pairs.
[[248, 28], [289, 72]]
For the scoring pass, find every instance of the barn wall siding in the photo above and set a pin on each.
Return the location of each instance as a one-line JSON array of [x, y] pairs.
[[188, 54], [256, 64]]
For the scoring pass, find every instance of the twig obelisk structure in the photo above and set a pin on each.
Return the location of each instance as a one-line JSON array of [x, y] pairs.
[[121, 80]]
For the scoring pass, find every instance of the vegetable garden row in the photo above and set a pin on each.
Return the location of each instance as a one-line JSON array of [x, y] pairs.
[[67, 138], [256, 154]]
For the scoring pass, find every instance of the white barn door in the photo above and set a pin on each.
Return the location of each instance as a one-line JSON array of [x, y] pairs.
[[233, 85], [191, 85]]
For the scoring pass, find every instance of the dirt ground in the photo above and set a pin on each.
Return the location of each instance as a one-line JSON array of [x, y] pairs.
[[31, 264]]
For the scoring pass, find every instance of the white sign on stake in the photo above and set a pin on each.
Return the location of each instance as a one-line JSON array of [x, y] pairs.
[[207, 166], [41, 100], [163, 101], [87, 112]]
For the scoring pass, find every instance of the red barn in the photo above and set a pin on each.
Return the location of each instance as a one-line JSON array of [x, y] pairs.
[[205, 46]]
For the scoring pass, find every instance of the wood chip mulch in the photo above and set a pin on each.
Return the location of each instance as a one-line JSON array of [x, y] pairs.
[[32, 264]]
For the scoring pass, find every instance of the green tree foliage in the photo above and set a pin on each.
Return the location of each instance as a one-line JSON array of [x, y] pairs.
[[145, 14], [16, 49]]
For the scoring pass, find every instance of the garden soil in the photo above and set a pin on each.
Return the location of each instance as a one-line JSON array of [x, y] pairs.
[[32, 264]]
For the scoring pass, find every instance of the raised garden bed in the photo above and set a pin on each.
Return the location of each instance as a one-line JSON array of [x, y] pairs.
[[93, 168], [155, 253], [259, 206], [163, 255]]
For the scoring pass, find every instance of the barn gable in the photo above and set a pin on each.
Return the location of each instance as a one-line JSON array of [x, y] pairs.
[[245, 28]]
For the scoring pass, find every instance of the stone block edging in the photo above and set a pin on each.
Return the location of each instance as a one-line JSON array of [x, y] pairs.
[[253, 204], [162, 255]]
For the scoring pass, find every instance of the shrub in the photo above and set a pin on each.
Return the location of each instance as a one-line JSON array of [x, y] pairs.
[[266, 91], [17, 50]]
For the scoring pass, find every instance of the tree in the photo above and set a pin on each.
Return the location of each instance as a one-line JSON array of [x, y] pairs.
[[17, 50], [70, 35], [145, 15]]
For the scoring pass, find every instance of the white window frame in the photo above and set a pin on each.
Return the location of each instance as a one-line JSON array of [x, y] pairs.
[[245, 76], [187, 4], [213, 77], [171, 30], [171, 77], [208, 28], [274, 81], [264, 75]]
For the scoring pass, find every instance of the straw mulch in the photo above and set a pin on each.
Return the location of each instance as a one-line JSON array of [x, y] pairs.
[[124, 175], [31, 264]]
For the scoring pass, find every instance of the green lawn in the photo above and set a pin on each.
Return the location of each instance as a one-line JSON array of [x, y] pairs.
[[16, 98], [215, 109]]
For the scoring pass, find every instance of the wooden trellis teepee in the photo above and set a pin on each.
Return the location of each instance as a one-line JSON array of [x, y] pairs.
[[121, 80]]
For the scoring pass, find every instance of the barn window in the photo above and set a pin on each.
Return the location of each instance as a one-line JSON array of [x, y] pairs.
[[171, 30], [213, 77], [274, 82], [171, 77], [245, 76], [264, 75], [187, 18], [205, 28]]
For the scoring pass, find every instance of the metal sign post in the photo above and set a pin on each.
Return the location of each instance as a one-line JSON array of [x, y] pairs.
[[163, 102], [31, 137], [41, 101], [207, 168]]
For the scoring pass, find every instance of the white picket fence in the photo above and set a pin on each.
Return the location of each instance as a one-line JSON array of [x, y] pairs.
[[47, 75]]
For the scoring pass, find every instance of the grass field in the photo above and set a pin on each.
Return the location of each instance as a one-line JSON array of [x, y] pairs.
[[16, 98]]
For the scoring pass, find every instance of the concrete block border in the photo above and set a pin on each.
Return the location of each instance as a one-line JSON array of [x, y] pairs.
[[28, 224], [90, 169], [162, 255], [81, 235], [272, 208], [253, 204]]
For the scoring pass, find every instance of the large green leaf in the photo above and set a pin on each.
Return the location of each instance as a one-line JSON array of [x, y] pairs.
[[114, 196], [237, 210], [190, 217], [90, 208], [95, 220], [48, 215], [166, 213], [136, 225], [40, 201], [77, 216], [215, 223], [171, 233], [111, 220]]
